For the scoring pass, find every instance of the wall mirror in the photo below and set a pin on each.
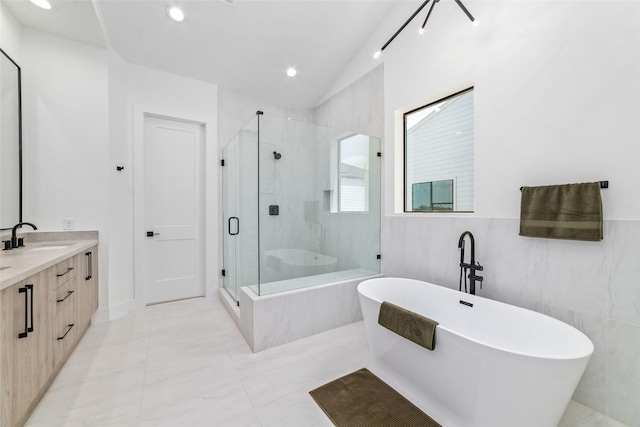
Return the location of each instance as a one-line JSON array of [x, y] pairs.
[[10, 143]]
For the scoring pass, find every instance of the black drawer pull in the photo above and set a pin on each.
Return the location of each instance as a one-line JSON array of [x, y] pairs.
[[67, 296], [68, 270], [69, 327], [89, 266], [26, 314], [30, 287], [27, 309]]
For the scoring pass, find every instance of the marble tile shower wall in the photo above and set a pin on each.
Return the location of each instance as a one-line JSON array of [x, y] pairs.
[[353, 237], [593, 286], [358, 108], [297, 183], [287, 183]]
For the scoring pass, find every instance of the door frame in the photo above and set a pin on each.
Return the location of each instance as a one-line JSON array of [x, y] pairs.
[[209, 184]]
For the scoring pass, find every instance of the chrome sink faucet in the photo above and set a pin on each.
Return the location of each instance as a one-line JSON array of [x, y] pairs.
[[15, 242], [472, 265]]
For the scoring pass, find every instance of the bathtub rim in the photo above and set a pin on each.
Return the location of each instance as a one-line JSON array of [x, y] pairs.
[[590, 348]]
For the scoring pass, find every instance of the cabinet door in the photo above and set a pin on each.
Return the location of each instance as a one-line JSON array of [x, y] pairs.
[[87, 301], [27, 352]]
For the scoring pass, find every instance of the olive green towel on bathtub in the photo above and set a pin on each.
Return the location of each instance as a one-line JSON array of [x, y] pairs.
[[570, 211], [412, 326]]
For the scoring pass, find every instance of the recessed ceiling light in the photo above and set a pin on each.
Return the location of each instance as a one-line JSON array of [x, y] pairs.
[[42, 3], [291, 72], [174, 13]]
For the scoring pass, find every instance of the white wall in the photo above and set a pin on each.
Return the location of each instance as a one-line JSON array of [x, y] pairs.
[[556, 93], [78, 107], [65, 137], [10, 34], [121, 194], [557, 99], [66, 128], [134, 89]]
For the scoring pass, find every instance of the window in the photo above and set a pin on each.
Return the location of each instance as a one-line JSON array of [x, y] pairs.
[[354, 174], [439, 161], [432, 196]]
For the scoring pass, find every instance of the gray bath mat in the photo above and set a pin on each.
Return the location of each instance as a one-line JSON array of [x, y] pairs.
[[361, 399]]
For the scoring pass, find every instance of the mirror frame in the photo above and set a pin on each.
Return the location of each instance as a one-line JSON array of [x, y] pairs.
[[19, 135]]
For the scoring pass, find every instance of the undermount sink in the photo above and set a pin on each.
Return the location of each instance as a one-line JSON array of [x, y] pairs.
[[51, 246]]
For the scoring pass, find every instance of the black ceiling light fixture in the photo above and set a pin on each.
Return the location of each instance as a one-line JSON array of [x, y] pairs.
[[458, 2]]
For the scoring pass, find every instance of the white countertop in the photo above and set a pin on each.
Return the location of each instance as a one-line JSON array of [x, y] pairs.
[[36, 257]]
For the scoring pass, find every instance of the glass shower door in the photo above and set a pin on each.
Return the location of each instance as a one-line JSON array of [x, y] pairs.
[[239, 209], [229, 213]]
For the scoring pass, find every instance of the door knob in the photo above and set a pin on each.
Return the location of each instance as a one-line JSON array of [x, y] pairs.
[[151, 234]]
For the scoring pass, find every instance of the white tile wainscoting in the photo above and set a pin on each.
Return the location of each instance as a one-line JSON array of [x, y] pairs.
[[593, 286]]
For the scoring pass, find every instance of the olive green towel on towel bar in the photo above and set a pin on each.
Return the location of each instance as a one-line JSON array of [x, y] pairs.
[[412, 326], [569, 211]]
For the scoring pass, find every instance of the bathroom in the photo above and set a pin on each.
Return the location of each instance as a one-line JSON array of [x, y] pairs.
[[557, 99]]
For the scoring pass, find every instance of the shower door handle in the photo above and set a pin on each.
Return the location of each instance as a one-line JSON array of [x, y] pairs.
[[237, 225]]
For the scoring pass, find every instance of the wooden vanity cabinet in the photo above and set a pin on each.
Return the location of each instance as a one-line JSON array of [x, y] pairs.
[[41, 321], [76, 299], [26, 349]]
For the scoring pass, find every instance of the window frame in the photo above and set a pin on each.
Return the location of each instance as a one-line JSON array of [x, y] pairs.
[[404, 156]]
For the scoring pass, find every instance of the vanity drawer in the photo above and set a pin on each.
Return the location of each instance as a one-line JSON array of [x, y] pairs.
[[65, 271], [63, 296], [64, 330]]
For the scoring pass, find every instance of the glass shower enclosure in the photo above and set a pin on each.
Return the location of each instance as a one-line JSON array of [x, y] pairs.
[[301, 206]]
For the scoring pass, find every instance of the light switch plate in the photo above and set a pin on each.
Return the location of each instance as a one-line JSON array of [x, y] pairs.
[[67, 224]]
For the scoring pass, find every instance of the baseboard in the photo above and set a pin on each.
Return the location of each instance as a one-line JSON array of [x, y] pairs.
[[105, 314]]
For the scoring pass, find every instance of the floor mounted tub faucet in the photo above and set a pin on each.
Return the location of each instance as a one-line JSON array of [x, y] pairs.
[[472, 265]]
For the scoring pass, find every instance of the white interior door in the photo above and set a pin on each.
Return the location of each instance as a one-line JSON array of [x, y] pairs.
[[173, 210]]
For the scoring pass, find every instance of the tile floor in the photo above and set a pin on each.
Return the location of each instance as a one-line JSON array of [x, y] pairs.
[[186, 364]]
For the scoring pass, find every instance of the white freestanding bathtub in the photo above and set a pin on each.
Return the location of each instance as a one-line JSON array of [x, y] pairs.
[[493, 364]]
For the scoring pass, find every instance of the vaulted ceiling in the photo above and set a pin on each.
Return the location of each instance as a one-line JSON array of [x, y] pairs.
[[241, 45]]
